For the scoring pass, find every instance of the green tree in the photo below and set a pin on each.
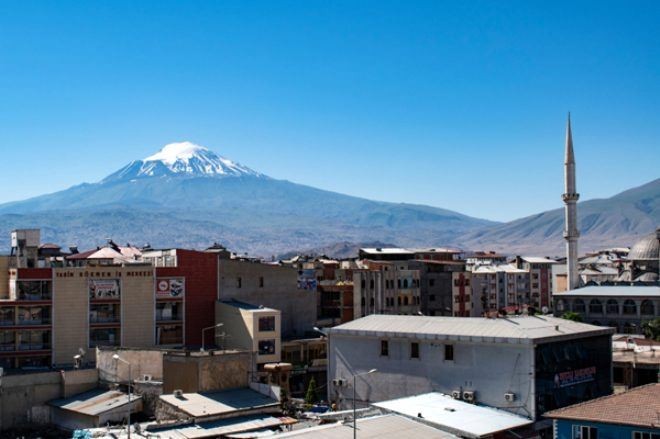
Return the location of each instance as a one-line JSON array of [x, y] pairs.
[[573, 316], [652, 329], [310, 396]]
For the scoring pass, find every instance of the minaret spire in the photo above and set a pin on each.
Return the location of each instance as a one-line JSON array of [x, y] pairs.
[[570, 197]]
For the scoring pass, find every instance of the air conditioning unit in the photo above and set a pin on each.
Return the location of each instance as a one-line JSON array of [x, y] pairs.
[[510, 396], [339, 382], [456, 394], [468, 396], [146, 377], [178, 393]]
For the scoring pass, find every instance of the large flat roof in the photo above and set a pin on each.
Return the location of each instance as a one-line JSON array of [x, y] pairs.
[[208, 404], [612, 291], [518, 329], [639, 407], [376, 427], [94, 402], [455, 416]]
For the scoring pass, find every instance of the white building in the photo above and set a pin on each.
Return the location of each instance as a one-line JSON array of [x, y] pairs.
[[526, 365]]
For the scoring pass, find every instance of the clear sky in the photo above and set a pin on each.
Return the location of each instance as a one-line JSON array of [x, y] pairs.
[[456, 104]]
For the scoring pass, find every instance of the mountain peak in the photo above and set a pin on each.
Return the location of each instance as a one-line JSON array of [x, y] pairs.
[[172, 152], [182, 159]]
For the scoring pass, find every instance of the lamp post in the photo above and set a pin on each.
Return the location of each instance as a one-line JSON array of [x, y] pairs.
[[354, 409], [206, 329], [320, 331], [118, 358]]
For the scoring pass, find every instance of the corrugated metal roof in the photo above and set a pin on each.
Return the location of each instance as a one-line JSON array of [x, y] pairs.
[[612, 291], [518, 329], [455, 416], [538, 260], [225, 427], [376, 427], [208, 404], [94, 402]]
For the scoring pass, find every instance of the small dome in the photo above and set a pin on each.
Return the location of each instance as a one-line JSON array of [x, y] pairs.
[[647, 248]]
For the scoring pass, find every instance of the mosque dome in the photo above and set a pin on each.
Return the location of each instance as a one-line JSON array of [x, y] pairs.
[[647, 248]]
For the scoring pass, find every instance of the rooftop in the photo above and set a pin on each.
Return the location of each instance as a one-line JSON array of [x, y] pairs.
[[386, 250], [518, 329], [637, 407], [450, 414], [613, 291], [376, 427], [538, 260], [208, 404], [246, 306], [94, 402]]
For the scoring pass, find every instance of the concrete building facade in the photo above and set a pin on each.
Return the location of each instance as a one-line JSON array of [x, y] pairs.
[[526, 365]]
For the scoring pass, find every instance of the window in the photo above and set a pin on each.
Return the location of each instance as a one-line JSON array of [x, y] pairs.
[[414, 350], [629, 307], [33, 290], [584, 432], [239, 282], [266, 324], [371, 284], [261, 282], [432, 298], [645, 435], [612, 306], [104, 337], [7, 316], [449, 352], [169, 334], [578, 305], [109, 313], [266, 347], [384, 348], [7, 341], [363, 284], [431, 282], [595, 306], [646, 308], [167, 311]]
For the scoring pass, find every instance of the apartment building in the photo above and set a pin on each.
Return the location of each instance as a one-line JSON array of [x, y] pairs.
[[437, 284], [386, 287], [251, 328], [60, 306], [273, 286], [500, 288], [540, 280]]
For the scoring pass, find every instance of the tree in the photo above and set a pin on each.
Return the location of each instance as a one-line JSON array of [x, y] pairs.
[[573, 316], [652, 329], [310, 396]]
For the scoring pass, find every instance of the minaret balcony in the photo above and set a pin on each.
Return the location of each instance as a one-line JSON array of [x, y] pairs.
[[570, 197]]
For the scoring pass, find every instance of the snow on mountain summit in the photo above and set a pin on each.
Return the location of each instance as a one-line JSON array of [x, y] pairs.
[[182, 159]]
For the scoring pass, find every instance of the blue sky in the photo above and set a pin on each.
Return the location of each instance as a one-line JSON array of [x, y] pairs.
[[457, 104]]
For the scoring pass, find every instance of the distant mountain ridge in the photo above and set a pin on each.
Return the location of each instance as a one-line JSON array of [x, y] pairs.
[[186, 195], [616, 221]]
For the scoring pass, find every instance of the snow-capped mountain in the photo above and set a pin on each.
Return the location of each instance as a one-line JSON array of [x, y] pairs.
[[182, 159]]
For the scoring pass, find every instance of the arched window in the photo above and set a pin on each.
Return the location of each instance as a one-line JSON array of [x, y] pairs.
[[405, 283], [578, 305], [405, 300], [595, 306], [561, 305], [612, 306], [629, 307], [647, 308]]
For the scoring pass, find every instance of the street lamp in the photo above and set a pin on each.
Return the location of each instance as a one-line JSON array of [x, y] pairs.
[[205, 329], [354, 410], [118, 358], [320, 331]]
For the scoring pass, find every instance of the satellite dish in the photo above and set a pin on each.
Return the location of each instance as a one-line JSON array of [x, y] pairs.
[[545, 310]]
